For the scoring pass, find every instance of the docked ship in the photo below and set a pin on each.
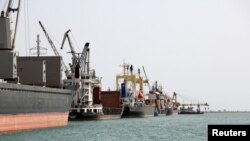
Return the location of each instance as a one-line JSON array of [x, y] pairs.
[[188, 108], [172, 105], [170, 110], [158, 99], [164, 104], [89, 101], [86, 104], [29, 98], [130, 85]]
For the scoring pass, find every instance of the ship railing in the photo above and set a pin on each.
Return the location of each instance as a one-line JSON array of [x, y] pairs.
[[88, 109]]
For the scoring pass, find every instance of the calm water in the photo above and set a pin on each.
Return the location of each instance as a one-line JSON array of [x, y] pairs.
[[172, 128]]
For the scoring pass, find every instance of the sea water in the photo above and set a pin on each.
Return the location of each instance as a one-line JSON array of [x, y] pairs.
[[162, 128]]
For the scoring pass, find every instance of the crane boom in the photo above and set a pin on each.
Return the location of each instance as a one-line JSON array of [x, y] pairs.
[[10, 9], [66, 36], [49, 40], [65, 68], [149, 86], [83, 58]]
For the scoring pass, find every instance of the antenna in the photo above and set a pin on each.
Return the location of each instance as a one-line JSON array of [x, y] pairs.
[[38, 49]]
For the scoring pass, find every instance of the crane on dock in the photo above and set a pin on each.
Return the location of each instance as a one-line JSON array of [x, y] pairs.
[[195, 104], [64, 67], [191, 104], [188, 107]]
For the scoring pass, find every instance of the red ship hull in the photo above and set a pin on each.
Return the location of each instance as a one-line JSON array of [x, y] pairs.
[[19, 122]]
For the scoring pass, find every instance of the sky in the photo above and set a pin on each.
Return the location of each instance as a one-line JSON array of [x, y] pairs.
[[197, 48]]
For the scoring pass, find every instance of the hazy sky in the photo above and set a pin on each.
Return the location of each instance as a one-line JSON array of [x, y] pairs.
[[198, 48]]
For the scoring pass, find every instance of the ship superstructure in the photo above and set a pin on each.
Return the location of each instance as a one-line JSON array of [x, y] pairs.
[[130, 85], [159, 99]]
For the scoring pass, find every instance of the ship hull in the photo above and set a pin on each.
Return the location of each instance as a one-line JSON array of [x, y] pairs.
[[170, 111], [145, 111], [75, 116], [192, 112], [20, 122], [112, 113], [24, 107], [80, 117]]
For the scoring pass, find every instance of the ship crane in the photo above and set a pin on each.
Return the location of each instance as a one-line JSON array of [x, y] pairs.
[[146, 81], [80, 65], [7, 42], [65, 68], [195, 104], [84, 59], [75, 62], [11, 9], [66, 36]]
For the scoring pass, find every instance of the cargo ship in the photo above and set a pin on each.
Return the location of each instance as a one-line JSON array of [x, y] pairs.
[[171, 111], [172, 105], [27, 100], [164, 104], [89, 101], [86, 104], [130, 85], [159, 99], [188, 108]]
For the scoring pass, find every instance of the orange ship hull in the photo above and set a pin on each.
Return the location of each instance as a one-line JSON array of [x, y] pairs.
[[21, 122]]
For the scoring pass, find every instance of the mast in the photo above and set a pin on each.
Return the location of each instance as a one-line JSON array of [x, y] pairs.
[[38, 45], [38, 48]]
